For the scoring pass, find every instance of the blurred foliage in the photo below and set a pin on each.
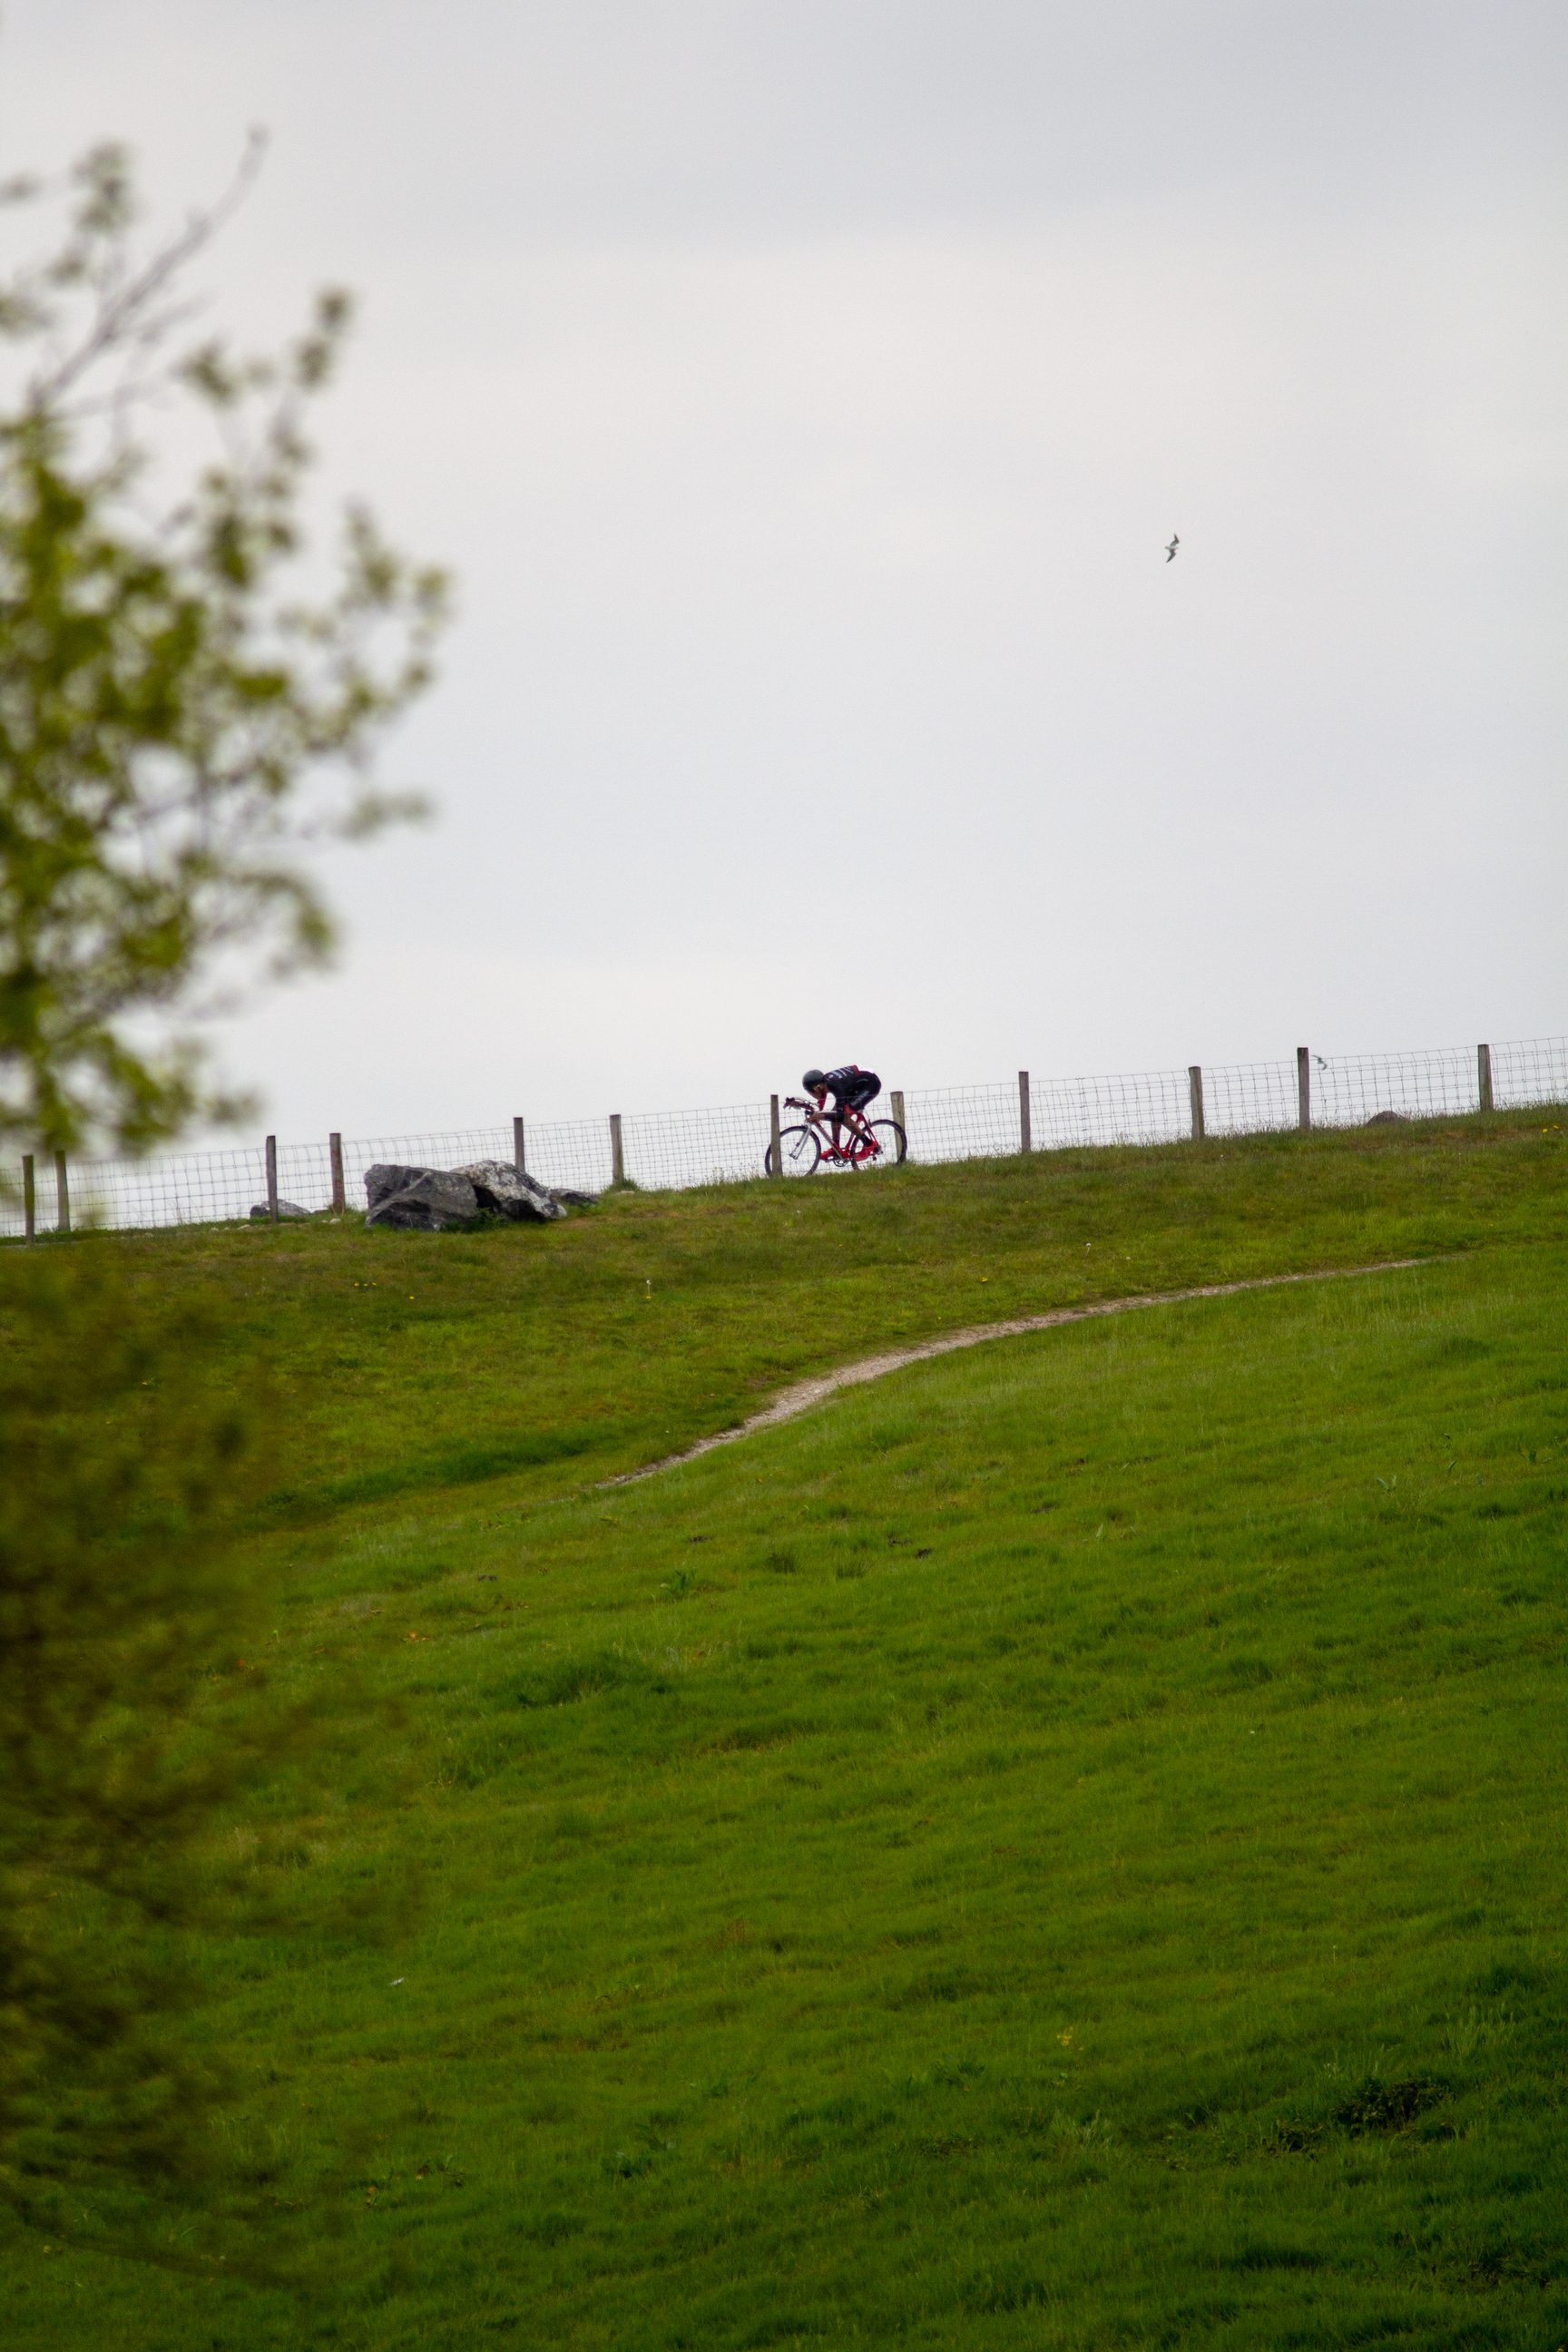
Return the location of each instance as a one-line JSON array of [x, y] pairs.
[[176, 718], [137, 1731]]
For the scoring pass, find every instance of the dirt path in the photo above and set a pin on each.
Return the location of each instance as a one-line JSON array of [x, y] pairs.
[[800, 1398]]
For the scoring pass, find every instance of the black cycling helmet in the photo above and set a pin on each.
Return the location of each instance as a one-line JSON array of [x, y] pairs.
[[815, 1078]]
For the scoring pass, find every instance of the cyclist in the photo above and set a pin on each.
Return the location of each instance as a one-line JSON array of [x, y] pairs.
[[851, 1089]]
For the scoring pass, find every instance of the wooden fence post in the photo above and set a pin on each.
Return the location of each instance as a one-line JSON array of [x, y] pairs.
[[617, 1159], [896, 1098], [518, 1161], [1484, 1076], [1195, 1095], [1024, 1140], [335, 1151], [29, 1197], [775, 1148], [62, 1194], [272, 1178], [1303, 1088]]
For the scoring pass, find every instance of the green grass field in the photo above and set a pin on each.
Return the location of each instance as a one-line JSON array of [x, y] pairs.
[[1064, 1846]]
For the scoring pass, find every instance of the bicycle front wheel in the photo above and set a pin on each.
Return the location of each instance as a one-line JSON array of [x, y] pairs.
[[799, 1152]]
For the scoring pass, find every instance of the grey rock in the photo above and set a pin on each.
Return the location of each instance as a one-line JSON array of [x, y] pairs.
[[571, 1200], [387, 1178], [261, 1214], [419, 1200], [1388, 1118], [505, 1193]]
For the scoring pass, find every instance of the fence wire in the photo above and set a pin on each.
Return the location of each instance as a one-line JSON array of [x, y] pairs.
[[673, 1151], [1248, 1099], [1348, 1090], [1530, 1071]]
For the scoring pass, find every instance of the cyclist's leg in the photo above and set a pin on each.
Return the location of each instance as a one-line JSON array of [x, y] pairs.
[[866, 1092]]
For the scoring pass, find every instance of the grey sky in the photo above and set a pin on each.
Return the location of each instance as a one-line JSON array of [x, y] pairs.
[[804, 395]]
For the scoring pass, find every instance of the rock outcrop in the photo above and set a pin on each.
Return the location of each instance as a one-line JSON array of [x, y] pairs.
[[504, 1193], [429, 1199], [423, 1199], [261, 1214]]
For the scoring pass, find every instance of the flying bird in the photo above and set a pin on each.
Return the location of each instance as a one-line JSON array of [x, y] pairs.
[[1170, 550]]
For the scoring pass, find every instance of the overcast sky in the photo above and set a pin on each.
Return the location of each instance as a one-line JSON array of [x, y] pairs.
[[802, 392]]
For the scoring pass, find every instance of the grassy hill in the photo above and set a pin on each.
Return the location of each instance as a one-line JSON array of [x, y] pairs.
[[1064, 1846]]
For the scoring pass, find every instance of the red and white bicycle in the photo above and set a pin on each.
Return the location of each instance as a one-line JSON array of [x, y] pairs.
[[859, 1143]]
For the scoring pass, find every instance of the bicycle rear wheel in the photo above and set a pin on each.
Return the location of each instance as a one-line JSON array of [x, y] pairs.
[[799, 1152], [890, 1143]]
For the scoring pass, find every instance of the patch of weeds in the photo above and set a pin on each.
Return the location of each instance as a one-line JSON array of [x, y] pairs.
[[1379, 2107], [1476, 2028], [469, 1763], [1508, 1976], [550, 2228], [936, 1987], [408, 1580], [1007, 2290], [1376, 2108], [740, 1738], [572, 1826], [781, 2327], [1271, 2258], [1286, 2137], [1094, 2135], [462, 1466], [574, 1679], [1457, 1348]]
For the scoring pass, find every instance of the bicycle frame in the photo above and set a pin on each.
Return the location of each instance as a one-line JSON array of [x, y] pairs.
[[862, 1145]]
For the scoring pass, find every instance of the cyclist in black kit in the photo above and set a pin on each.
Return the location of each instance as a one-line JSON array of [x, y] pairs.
[[851, 1089]]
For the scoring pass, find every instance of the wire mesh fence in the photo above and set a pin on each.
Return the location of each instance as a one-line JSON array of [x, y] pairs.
[[677, 1150], [1355, 1087], [1250, 1098], [1529, 1071], [974, 1122]]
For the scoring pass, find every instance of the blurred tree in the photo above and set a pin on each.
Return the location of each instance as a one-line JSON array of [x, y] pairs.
[[127, 1719], [174, 725], [176, 719]]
